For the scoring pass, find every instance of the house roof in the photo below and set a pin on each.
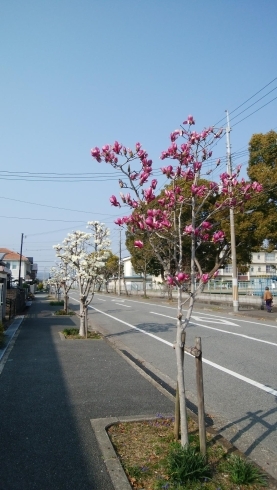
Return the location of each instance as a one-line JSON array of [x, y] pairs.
[[8, 254]]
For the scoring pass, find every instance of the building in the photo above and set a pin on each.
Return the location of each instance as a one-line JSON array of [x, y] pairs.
[[34, 268], [262, 272], [12, 261], [5, 278]]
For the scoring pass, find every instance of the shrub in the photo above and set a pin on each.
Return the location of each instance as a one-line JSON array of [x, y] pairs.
[[186, 464], [71, 331], [243, 472]]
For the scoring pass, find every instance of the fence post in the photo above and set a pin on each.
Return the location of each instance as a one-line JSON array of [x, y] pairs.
[[200, 396]]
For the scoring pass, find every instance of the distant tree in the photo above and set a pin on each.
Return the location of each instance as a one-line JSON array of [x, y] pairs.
[[262, 166], [55, 280], [143, 261], [110, 269]]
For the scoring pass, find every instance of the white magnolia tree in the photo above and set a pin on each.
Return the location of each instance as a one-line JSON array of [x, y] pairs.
[[62, 276], [85, 253], [55, 280]]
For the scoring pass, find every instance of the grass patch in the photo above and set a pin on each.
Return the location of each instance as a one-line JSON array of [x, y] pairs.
[[73, 334], [63, 312], [57, 303], [152, 460], [243, 472]]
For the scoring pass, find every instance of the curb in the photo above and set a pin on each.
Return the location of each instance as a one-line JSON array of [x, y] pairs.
[[111, 460], [113, 464], [10, 333]]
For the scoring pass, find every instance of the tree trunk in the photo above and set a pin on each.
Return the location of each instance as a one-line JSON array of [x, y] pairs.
[[82, 330], [179, 348], [144, 285], [65, 302]]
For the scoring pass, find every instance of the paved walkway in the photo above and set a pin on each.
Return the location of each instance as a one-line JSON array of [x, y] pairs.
[[49, 390]]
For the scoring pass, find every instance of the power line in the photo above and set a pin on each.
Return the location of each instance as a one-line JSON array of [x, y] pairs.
[[251, 105], [254, 112], [245, 102], [42, 219], [55, 207]]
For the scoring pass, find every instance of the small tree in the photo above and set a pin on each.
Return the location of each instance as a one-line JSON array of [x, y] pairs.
[[143, 261], [110, 269], [76, 252], [171, 224], [55, 280]]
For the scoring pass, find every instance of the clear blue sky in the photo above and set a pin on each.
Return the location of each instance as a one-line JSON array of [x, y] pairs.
[[86, 72]]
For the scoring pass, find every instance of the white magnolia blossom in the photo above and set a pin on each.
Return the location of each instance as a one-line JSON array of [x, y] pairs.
[[85, 253]]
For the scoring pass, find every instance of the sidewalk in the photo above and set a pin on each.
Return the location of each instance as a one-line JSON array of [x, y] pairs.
[[49, 390]]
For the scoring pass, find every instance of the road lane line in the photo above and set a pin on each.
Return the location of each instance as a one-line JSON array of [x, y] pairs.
[[250, 381], [219, 329], [206, 314], [120, 304], [128, 324]]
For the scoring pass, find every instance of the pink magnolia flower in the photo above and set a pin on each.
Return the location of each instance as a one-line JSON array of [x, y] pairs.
[[181, 277], [215, 273], [168, 171], [154, 183], [143, 177], [213, 186], [148, 194], [206, 225], [114, 201], [138, 244], [197, 166], [218, 236], [170, 281], [95, 153], [119, 221], [188, 230], [205, 278], [189, 120], [257, 187], [116, 147]]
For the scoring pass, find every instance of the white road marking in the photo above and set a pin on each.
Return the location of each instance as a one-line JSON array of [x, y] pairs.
[[99, 299], [203, 314], [121, 304], [220, 330], [268, 389], [226, 322]]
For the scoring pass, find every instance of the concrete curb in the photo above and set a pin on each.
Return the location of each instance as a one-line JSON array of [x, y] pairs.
[[111, 460], [10, 333], [113, 464]]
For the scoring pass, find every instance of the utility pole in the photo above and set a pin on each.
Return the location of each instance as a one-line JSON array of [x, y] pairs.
[[20, 259], [119, 263], [232, 224]]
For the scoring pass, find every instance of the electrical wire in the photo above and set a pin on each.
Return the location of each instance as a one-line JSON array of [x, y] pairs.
[[245, 102]]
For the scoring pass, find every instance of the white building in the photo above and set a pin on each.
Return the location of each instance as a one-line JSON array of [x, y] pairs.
[[12, 260]]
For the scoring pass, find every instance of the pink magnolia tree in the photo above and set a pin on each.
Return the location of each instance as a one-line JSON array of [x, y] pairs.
[[188, 153]]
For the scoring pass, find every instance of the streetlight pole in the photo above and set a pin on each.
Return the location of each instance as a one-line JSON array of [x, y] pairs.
[[232, 224], [20, 259]]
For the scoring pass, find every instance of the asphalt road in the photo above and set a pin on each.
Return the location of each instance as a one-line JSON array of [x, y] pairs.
[[239, 356]]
